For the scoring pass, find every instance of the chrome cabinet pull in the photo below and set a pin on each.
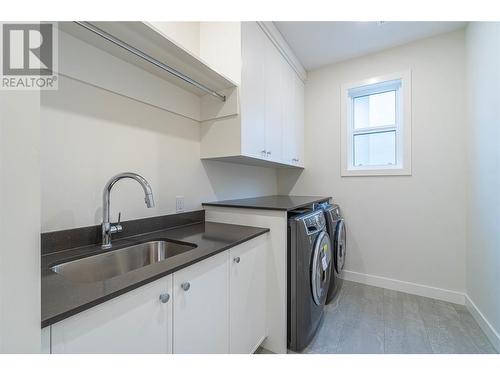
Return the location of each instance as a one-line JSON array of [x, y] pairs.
[[236, 259], [185, 286], [164, 297]]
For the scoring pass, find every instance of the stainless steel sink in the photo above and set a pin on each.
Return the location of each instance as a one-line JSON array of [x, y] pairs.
[[118, 262]]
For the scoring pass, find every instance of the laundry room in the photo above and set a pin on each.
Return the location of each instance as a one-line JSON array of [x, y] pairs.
[[292, 188]]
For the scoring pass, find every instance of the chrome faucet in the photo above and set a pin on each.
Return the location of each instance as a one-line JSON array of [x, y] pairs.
[[107, 228]]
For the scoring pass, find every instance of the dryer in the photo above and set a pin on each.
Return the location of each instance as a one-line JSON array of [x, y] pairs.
[[309, 268], [336, 229]]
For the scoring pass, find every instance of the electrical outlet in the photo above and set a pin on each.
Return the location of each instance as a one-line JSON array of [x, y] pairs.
[[179, 203]]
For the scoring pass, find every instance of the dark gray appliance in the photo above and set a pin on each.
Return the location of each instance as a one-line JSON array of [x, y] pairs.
[[336, 229], [309, 268]]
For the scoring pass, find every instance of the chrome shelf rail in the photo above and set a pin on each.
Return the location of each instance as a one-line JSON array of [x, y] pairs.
[[103, 34]]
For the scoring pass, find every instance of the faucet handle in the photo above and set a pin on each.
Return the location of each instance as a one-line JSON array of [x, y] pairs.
[[119, 227], [116, 228]]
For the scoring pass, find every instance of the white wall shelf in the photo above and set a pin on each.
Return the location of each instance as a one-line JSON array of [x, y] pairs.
[[153, 42]]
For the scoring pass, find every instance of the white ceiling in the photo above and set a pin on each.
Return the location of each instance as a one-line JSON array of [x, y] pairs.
[[321, 43]]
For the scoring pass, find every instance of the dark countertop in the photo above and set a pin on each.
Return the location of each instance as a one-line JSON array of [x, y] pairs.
[[271, 202], [62, 298]]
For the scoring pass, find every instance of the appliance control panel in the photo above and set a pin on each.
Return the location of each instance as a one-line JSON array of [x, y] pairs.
[[314, 222]]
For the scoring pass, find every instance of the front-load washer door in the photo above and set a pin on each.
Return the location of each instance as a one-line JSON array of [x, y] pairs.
[[320, 270], [340, 246]]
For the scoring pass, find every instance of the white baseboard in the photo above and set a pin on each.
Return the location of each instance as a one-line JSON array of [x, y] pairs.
[[405, 286], [485, 325]]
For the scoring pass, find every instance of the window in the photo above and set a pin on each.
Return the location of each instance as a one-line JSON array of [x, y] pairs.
[[376, 127]]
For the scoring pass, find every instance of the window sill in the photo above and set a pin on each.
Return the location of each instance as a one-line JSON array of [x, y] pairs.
[[376, 172]]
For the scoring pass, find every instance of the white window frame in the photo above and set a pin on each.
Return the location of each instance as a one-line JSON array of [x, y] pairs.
[[403, 125]]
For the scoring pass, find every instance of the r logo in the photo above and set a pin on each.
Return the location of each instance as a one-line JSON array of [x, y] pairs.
[[27, 49]]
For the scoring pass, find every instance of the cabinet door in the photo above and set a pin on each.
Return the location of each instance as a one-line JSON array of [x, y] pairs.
[[45, 349], [273, 96], [289, 116], [248, 295], [135, 322], [299, 119], [201, 307], [252, 91], [293, 118]]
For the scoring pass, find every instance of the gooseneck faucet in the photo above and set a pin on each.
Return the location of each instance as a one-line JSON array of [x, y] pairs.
[[107, 228]]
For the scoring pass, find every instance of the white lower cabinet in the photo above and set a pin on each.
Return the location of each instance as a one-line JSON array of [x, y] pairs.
[[201, 307], [217, 305], [135, 322], [247, 296], [45, 341]]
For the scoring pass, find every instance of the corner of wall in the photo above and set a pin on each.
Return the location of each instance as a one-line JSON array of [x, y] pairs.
[[482, 268], [20, 222]]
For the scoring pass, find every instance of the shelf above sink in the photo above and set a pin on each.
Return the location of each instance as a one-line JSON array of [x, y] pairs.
[[150, 40]]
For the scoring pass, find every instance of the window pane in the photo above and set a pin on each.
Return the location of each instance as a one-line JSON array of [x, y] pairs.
[[375, 149], [375, 110]]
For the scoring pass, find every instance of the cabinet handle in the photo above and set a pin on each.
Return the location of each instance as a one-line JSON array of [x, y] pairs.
[[185, 286], [164, 297], [263, 152], [236, 259], [268, 152]]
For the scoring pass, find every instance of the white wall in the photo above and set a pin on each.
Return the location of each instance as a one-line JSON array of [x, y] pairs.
[[185, 34], [111, 73], [483, 224], [89, 134], [99, 123], [407, 228], [19, 222]]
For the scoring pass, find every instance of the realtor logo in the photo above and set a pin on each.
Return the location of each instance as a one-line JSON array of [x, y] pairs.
[[28, 56]]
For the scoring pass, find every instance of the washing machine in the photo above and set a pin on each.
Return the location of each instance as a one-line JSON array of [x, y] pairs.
[[309, 268], [336, 229]]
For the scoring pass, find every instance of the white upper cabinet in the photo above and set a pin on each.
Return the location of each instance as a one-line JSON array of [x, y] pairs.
[[293, 118], [275, 86], [293, 139], [253, 88], [290, 119], [268, 130], [300, 121]]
